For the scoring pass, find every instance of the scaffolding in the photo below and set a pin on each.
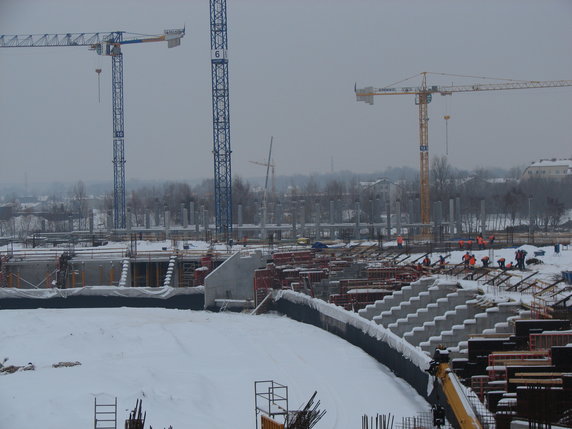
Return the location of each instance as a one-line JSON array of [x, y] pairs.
[[271, 401]]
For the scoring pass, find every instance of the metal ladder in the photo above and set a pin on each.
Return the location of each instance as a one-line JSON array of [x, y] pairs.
[[105, 415]]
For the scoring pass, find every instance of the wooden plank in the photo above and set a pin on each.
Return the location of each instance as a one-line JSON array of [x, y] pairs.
[[537, 381]]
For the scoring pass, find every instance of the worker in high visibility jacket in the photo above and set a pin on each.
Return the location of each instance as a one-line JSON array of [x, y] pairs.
[[399, 241], [466, 258]]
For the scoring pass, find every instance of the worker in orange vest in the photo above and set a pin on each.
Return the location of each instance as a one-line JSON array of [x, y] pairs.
[[485, 261], [501, 263], [461, 244], [399, 241], [472, 261], [466, 258]]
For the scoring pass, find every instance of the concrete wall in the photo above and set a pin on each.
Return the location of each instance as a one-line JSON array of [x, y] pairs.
[[181, 302], [233, 279], [406, 361]]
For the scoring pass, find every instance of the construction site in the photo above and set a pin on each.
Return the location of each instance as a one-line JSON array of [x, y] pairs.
[[425, 286]]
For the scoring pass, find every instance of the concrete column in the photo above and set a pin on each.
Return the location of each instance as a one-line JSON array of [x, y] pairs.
[[437, 220], [157, 216], [398, 216], [239, 215], [185, 218], [182, 213], [332, 219], [128, 219], [191, 213], [167, 223], [279, 213], [147, 219], [438, 213], [198, 215], [357, 220], [294, 218], [411, 211], [451, 216], [458, 215], [91, 221], [70, 223], [388, 213], [530, 217], [371, 211], [109, 221], [206, 222], [317, 216], [303, 217], [483, 218]]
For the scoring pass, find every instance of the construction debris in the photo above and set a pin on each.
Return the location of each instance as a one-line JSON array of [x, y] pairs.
[[65, 364]]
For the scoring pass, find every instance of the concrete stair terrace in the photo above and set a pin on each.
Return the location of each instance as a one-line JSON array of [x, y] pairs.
[[438, 291], [439, 316], [476, 325], [505, 327], [404, 294], [444, 307]]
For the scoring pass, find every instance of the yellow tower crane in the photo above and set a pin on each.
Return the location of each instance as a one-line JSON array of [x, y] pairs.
[[423, 95]]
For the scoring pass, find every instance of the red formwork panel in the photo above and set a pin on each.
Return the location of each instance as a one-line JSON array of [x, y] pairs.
[[498, 361], [406, 274], [314, 276], [300, 257], [357, 300], [545, 340], [263, 282]]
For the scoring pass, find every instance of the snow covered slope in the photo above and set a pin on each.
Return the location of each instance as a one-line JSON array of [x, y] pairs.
[[192, 369]]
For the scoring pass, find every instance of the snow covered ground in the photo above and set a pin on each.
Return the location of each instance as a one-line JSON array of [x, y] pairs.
[[192, 369]]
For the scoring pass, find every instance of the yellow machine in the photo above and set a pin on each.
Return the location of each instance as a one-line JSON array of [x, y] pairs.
[[451, 387]]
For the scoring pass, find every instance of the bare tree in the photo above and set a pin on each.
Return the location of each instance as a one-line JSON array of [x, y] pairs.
[[79, 201]]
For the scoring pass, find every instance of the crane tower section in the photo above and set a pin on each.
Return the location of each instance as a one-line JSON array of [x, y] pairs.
[[108, 44], [423, 95], [221, 120]]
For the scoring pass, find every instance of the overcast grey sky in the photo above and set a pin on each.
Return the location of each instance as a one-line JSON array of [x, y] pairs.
[[293, 65]]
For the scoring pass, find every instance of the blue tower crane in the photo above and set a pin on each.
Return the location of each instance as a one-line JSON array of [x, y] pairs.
[[108, 44], [221, 120]]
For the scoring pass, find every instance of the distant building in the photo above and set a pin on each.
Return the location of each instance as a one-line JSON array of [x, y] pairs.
[[548, 169]]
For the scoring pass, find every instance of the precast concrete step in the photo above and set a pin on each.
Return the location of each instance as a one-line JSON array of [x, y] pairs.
[[403, 308], [406, 292], [477, 325], [447, 303], [425, 325]]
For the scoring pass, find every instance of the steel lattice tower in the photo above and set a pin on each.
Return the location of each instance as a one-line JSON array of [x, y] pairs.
[[119, 219], [108, 44], [221, 120]]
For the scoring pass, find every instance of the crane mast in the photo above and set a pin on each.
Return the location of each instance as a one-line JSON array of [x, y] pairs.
[[423, 99], [423, 95], [108, 44], [221, 120]]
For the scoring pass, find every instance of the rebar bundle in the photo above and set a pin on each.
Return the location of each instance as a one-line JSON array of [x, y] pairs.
[[307, 417], [381, 421], [136, 417]]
